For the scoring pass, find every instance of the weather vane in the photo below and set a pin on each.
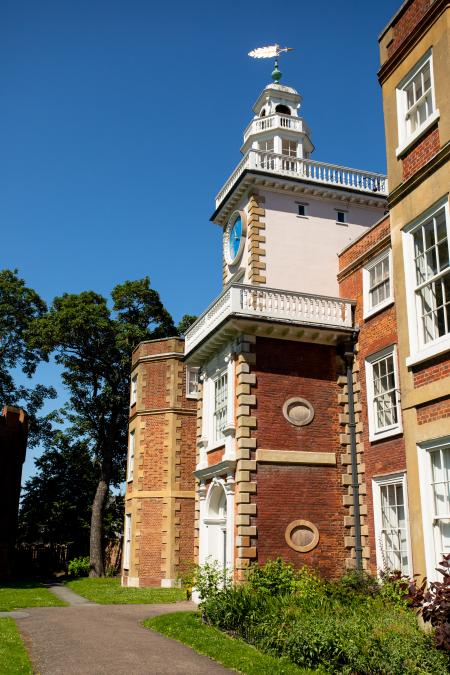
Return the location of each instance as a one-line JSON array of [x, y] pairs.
[[270, 52]]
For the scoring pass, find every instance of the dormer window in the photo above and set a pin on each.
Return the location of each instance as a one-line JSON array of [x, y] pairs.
[[283, 109]]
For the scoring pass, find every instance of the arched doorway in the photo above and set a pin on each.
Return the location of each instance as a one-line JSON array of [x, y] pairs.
[[216, 525]]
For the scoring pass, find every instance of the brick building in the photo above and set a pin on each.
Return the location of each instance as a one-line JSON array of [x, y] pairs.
[[414, 76], [323, 380], [13, 444]]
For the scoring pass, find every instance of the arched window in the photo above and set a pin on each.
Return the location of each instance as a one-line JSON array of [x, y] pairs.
[[283, 109], [263, 112]]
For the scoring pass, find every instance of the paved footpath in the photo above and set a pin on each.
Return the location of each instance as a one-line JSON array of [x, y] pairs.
[[90, 639]]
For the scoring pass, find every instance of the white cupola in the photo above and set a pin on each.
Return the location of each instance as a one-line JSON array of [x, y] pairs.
[[276, 127]]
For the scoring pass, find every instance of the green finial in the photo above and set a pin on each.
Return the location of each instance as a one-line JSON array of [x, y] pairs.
[[276, 74]]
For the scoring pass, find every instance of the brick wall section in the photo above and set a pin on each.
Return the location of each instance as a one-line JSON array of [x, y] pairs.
[[287, 369], [285, 493], [430, 412], [352, 254], [312, 493], [377, 332], [407, 21], [164, 422], [431, 370], [421, 153]]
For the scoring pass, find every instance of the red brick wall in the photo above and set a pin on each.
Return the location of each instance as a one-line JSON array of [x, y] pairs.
[[421, 153], [430, 412], [360, 247], [288, 493], [376, 332], [286, 369], [161, 386], [215, 456], [431, 370], [150, 542], [407, 21]]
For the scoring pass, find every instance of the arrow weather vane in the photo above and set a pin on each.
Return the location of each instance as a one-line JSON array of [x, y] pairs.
[[270, 52]]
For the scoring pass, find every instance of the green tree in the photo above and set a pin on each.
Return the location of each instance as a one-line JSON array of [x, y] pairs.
[[185, 322], [93, 344], [56, 502], [19, 307]]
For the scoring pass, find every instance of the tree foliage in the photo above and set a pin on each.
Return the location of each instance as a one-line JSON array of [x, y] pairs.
[[56, 502], [20, 306], [93, 345]]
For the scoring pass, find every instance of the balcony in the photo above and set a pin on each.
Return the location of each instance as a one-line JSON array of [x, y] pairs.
[[306, 169], [268, 311], [262, 124]]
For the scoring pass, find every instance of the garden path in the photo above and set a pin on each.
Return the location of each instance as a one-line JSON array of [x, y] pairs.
[[90, 639]]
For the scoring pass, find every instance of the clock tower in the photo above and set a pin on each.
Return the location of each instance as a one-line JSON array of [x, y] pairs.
[[267, 348]]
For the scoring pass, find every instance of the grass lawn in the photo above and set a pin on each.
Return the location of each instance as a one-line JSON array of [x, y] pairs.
[[187, 627], [13, 655], [20, 594], [108, 591]]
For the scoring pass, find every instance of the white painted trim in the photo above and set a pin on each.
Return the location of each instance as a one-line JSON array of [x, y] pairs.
[[377, 483], [131, 454], [367, 310], [127, 542], [418, 351], [426, 498], [395, 429], [405, 140]]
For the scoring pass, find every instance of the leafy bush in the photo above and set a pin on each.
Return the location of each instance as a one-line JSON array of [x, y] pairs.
[[350, 626], [395, 588], [210, 579], [433, 604], [79, 567], [276, 576]]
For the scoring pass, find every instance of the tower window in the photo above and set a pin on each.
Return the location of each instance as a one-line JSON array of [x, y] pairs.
[[289, 148], [283, 109], [263, 112], [341, 216]]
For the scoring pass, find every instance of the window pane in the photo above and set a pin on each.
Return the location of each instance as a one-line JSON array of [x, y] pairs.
[[393, 535]]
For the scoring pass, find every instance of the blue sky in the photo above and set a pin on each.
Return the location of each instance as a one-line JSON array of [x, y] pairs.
[[120, 121]]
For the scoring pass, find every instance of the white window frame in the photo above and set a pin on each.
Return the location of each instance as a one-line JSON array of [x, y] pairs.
[[368, 310], [419, 349], [432, 559], [377, 483], [131, 453], [127, 542], [133, 394], [394, 429], [219, 439], [405, 137], [190, 391]]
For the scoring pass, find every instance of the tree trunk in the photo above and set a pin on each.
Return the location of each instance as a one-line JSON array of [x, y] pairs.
[[96, 543]]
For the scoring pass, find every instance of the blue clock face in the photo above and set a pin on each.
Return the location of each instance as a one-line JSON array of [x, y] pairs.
[[234, 240]]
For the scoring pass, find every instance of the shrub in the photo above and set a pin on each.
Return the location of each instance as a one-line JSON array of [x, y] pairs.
[[433, 604], [395, 588], [276, 576], [210, 579], [351, 626], [79, 567]]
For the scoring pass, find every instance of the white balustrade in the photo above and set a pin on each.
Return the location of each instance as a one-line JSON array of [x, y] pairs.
[[308, 169], [267, 303], [275, 122]]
